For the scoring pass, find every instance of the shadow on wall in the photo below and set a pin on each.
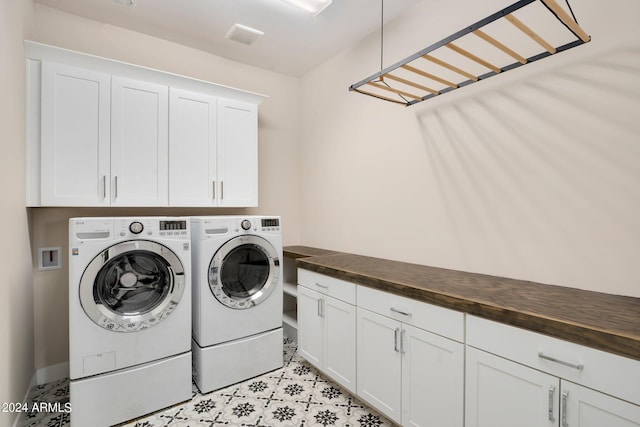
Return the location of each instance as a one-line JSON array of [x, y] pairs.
[[553, 162]]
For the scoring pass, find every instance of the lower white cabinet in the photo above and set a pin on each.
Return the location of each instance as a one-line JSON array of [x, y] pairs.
[[424, 365], [380, 363], [501, 392], [516, 377], [582, 407], [327, 330], [411, 375]]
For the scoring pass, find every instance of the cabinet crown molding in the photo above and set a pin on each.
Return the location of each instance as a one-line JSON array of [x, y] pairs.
[[40, 51]]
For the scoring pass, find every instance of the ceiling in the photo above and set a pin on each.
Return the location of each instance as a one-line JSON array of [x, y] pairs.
[[294, 42]]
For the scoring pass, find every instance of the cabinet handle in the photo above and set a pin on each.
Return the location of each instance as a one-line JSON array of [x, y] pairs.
[[214, 189], [221, 190], [578, 366], [564, 409], [321, 307], [404, 313], [396, 332], [552, 392], [325, 287], [115, 187], [104, 186]]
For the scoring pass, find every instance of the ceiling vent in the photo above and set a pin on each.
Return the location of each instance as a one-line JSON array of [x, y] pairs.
[[243, 34]]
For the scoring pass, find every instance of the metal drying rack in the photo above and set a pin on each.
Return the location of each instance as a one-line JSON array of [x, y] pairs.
[[403, 88]]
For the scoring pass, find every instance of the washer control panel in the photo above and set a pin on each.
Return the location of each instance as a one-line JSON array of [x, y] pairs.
[[166, 227]]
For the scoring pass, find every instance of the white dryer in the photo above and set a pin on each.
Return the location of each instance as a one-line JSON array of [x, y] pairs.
[[237, 298], [129, 317]]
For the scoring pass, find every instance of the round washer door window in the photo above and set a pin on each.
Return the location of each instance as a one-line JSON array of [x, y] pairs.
[[132, 286], [244, 272]]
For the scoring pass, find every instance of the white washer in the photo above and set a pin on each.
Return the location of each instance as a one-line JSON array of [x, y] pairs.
[[129, 317], [237, 298]]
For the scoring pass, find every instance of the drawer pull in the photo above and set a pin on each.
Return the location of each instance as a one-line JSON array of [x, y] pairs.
[[404, 313], [552, 391], [578, 366], [322, 286], [565, 423]]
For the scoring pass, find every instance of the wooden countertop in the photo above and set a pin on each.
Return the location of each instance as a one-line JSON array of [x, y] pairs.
[[606, 322]]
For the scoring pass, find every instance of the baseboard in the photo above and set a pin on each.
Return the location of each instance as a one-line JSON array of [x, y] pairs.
[[52, 373]]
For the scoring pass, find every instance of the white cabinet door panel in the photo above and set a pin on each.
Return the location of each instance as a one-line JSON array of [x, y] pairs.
[[237, 153], [75, 136], [340, 342], [379, 363], [192, 149], [432, 379], [310, 328], [589, 408], [501, 393], [139, 143]]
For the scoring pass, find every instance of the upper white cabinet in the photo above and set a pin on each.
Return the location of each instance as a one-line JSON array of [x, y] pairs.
[[193, 150], [139, 143], [105, 133], [76, 129], [237, 153]]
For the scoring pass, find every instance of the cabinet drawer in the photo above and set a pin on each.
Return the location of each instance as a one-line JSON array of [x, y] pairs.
[[615, 375], [339, 289], [439, 320]]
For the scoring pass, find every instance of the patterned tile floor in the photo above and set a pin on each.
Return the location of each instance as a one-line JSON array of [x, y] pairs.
[[295, 395]]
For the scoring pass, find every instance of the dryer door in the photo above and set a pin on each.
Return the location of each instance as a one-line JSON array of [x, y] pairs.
[[244, 272], [132, 285]]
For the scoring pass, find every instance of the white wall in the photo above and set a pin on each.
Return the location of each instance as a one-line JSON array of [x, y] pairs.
[[278, 152], [534, 174], [16, 287]]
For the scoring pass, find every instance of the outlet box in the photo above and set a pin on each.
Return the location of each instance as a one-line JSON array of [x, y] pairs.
[[49, 259]]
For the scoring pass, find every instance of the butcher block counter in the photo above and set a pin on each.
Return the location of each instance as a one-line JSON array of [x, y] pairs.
[[602, 321]]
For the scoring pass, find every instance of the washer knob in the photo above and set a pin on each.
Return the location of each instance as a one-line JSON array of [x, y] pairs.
[[245, 224], [136, 227]]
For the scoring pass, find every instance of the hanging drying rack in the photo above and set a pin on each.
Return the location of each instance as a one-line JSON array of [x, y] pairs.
[[433, 73]]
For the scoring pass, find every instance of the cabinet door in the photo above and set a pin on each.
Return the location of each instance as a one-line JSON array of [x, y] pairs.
[[310, 326], [379, 362], [432, 379], [340, 342], [139, 143], [192, 149], [501, 393], [75, 136], [583, 407], [237, 153]]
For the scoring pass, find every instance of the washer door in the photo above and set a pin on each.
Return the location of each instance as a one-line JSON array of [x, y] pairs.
[[244, 272], [132, 286]]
